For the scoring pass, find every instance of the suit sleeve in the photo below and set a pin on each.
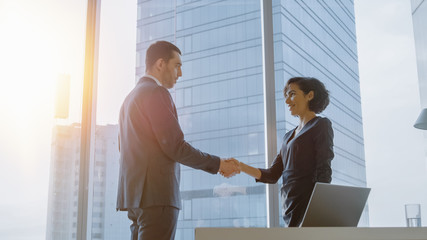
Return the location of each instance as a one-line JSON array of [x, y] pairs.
[[272, 174], [324, 153], [163, 119]]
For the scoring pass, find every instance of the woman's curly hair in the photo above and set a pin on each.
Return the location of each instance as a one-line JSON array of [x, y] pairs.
[[321, 96]]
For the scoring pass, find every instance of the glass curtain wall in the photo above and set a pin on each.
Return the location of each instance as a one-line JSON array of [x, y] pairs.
[[317, 39], [219, 100], [115, 79], [62, 207]]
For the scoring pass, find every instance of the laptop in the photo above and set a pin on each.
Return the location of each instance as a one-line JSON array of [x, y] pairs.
[[335, 206]]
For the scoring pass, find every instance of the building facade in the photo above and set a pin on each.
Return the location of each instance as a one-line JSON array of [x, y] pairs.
[[63, 183], [219, 98], [419, 18], [104, 221], [220, 104]]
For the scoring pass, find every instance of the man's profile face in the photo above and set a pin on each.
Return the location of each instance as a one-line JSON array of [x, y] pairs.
[[171, 71]]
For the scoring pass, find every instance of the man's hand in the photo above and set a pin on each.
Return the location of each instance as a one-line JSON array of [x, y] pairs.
[[229, 167]]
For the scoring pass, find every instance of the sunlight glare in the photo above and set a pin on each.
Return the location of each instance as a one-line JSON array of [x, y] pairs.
[[27, 83]]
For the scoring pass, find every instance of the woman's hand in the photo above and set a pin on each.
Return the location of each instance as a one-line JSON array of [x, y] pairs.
[[251, 171]]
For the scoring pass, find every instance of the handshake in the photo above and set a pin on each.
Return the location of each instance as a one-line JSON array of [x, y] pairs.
[[229, 167]]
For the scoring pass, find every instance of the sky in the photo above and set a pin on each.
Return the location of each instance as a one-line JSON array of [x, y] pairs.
[[44, 38], [394, 149]]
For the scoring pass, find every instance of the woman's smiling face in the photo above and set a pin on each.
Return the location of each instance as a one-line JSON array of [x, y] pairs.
[[296, 100]]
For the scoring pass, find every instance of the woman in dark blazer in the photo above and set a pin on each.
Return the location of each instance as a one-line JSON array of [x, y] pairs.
[[307, 150]]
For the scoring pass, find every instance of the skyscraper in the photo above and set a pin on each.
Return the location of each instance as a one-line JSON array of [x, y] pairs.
[[63, 183], [220, 105], [105, 222], [419, 18], [220, 95]]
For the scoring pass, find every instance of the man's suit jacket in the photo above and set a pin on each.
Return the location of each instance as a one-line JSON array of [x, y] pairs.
[[151, 147]]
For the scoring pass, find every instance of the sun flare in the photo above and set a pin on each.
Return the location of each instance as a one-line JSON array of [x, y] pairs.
[[32, 59]]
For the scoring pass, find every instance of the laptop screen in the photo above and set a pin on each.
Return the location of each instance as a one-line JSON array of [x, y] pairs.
[[335, 206]]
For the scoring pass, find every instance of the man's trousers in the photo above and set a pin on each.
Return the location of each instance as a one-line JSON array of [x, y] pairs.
[[153, 223]]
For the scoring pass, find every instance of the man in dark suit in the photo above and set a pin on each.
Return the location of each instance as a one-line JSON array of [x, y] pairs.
[[152, 146]]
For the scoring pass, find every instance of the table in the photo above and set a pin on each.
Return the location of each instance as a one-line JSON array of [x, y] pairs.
[[307, 233]]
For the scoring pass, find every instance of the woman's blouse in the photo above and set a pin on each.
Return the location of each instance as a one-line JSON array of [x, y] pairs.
[[302, 161]]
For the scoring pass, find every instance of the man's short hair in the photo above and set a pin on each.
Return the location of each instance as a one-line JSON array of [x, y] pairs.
[[159, 49]]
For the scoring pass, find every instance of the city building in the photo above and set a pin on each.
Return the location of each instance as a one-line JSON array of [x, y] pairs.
[[220, 98], [63, 183], [419, 18], [106, 223], [220, 102]]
